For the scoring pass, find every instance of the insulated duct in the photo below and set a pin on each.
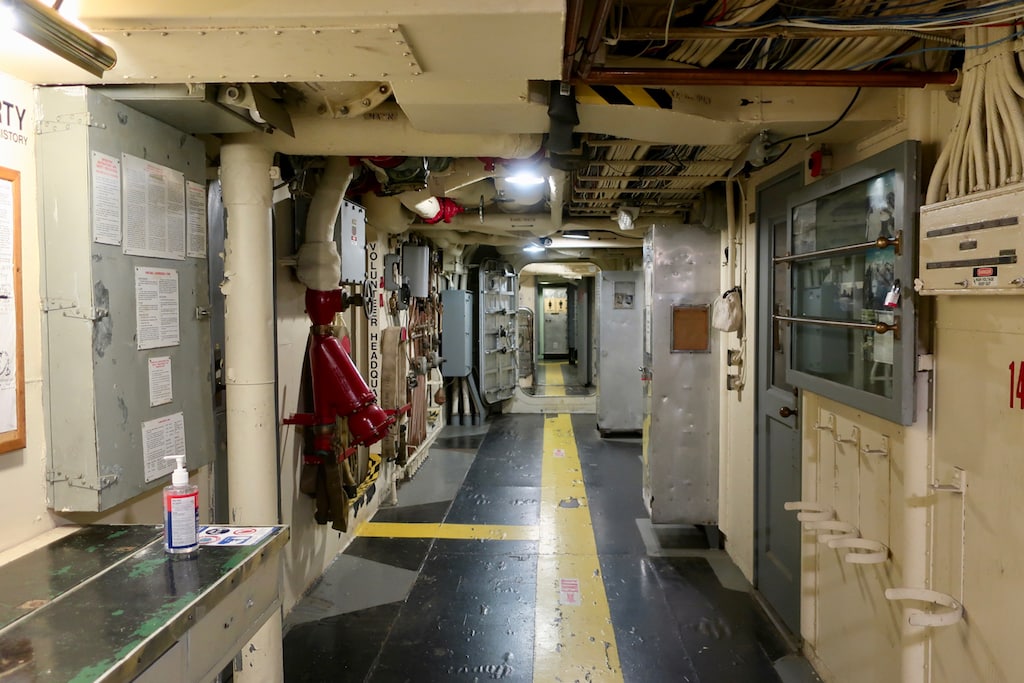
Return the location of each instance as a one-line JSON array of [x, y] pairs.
[[388, 132], [318, 264]]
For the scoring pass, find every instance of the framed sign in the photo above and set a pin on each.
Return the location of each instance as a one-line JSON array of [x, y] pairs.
[[12, 353]]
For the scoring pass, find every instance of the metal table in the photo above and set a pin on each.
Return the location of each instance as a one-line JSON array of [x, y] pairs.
[[105, 603]]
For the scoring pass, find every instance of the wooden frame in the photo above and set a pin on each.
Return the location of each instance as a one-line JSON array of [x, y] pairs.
[[12, 352]]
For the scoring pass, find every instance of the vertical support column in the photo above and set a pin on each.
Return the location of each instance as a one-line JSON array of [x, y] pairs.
[[249, 321]]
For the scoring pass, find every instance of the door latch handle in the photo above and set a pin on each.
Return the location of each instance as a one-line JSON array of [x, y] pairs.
[[786, 411]]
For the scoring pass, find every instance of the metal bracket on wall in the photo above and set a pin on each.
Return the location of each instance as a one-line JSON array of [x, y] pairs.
[[105, 481], [65, 122], [883, 450], [70, 309], [829, 426], [854, 437]]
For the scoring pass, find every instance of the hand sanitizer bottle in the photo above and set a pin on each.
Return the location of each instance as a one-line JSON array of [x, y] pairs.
[[181, 512]]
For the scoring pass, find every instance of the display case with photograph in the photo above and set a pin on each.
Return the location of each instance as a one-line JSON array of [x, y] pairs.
[[851, 263]]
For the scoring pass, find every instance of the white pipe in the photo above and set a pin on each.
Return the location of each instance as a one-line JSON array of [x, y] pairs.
[[557, 198], [318, 264], [326, 202], [249, 320], [730, 214], [387, 131], [917, 464]]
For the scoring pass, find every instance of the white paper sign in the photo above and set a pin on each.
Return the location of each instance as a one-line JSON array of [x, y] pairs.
[[162, 437], [154, 209], [160, 390], [106, 199], [195, 203], [156, 308], [8, 319]]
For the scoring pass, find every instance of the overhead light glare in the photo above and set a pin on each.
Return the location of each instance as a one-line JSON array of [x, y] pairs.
[[527, 178], [46, 27], [576, 234], [8, 19], [534, 249]]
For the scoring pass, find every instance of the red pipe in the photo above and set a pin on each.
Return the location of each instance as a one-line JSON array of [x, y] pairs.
[[756, 77], [597, 24], [573, 19]]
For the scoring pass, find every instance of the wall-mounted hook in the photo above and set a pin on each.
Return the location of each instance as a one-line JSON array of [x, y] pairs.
[[834, 530], [809, 511], [829, 426], [854, 437], [862, 550], [953, 613], [957, 485], [882, 450]]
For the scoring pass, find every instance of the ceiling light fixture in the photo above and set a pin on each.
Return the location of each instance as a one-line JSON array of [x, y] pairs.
[[526, 178], [45, 26], [576, 234], [625, 217], [534, 248]]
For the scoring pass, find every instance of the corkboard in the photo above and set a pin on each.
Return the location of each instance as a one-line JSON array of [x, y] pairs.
[[691, 329]]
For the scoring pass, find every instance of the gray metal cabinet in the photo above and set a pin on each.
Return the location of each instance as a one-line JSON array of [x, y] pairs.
[[620, 351], [681, 266], [98, 376]]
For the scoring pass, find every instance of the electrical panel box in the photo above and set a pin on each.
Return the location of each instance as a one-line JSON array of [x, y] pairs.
[[416, 269], [127, 376], [969, 245], [350, 231], [456, 332]]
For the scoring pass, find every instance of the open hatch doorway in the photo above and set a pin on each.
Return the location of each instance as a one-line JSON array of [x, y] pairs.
[[556, 334]]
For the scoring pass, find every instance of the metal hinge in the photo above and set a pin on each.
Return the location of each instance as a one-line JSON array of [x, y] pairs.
[[71, 309], [78, 482], [64, 122]]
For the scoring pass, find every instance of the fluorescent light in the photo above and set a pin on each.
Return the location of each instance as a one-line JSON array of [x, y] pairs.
[[525, 178], [576, 234], [534, 249], [8, 19], [48, 28]]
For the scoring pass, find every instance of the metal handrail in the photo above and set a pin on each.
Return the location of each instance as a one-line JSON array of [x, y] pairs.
[[878, 327], [880, 243]]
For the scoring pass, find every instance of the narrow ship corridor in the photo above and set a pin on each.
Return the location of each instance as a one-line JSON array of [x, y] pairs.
[[522, 551], [559, 378]]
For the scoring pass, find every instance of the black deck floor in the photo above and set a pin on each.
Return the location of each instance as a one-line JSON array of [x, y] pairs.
[[468, 608]]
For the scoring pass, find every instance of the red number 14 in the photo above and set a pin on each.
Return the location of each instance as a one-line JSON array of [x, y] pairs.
[[1017, 384]]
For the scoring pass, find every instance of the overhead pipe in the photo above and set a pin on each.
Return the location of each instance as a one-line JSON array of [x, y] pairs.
[[573, 19], [389, 132], [249, 373], [767, 78], [597, 25]]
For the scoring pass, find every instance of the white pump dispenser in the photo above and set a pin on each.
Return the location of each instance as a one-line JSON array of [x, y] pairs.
[[181, 511]]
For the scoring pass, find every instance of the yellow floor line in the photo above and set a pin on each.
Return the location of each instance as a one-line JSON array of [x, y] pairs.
[[554, 378], [574, 639], [474, 532]]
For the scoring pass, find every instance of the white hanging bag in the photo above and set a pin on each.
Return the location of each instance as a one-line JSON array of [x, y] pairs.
[[727, 311]]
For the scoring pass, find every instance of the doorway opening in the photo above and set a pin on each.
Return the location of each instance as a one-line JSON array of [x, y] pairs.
[[556, 336]]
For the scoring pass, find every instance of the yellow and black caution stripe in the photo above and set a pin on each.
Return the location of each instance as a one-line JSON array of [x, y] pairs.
[[634, 95], [372, 474]]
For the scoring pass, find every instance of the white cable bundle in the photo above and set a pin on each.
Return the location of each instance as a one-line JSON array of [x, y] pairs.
[[986, 147]]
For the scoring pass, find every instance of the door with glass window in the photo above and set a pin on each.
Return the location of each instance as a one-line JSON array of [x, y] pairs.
[[777, 556]]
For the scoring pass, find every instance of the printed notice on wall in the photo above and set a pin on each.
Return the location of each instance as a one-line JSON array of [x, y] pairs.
[[8, 317], [154, 209], [160, 391], [156, 308], [195, 202], [106, 199], [162, 438]]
